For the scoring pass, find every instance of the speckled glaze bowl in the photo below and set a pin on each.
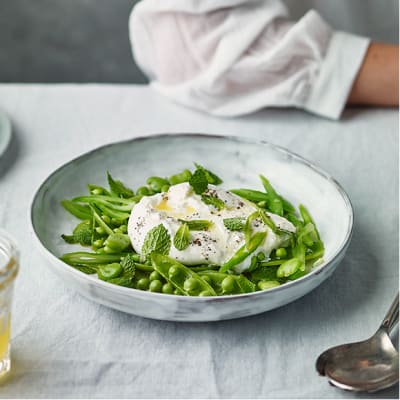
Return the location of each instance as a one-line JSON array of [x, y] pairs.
[[238, 162]]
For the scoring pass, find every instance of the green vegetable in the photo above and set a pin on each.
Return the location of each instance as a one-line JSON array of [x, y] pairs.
[[252, 195], [182, 237], [288, 268], [177, 274], [213, 200], [155, 276], [265, 285], [143, 191], [155, 286], [117, 242], [109, 271], [104, 217], [78, 210], [180, 178], [198, 181], [267, 273], [281, 252], [156, 183], [197, 224], [118, 189], [244, 251], [168, 288], [211, 177], [92, 259], [234, 224], [143, 284], [274, 200], [156, 240]]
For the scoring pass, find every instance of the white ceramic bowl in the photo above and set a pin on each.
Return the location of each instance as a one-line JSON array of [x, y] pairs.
[[238, 162]]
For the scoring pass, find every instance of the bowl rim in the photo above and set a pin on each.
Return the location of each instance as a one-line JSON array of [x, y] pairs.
[[238, 139]]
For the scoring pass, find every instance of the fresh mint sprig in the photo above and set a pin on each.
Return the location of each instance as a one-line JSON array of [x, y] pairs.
[[156, 240]]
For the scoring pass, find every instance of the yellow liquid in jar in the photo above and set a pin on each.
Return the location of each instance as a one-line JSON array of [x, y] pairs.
[[4, 335]]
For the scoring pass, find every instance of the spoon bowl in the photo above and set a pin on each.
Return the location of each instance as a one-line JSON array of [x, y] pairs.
[[368, 366]]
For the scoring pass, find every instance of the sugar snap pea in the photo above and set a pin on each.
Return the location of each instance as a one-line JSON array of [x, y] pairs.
[[182, 277]]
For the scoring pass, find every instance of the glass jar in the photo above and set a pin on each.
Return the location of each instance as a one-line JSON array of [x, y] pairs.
[[8, 272]]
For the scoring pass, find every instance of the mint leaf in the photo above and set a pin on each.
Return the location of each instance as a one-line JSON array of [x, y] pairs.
[[197, 224], [82, 234], [213, 201], [211, 177], [199, 181], [118, 188], [157, 240], [234, 224], [182, 237]]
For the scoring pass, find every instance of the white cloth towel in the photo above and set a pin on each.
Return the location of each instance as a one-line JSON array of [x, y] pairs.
[[232, 57]]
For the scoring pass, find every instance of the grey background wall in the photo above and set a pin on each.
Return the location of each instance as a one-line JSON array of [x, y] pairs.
[[87, 40]]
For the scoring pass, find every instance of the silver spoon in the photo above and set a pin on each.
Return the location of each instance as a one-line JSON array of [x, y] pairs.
[[367, 366]]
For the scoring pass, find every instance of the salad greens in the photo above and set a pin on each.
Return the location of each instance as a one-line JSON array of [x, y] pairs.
[[103, 218]]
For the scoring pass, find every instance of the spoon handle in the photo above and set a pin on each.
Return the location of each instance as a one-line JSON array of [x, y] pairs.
[[392, 316]]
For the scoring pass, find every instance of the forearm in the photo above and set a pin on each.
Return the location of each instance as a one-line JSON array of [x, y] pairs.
[[377, 82]]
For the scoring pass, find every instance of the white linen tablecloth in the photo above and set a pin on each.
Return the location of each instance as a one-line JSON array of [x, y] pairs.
[[66, 346]]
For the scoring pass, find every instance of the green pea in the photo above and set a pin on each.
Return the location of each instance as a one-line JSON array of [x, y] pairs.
[[155, 276], [177, 292], [165, 188], [264, 285], [100, 230], [143, 191], [168, 288], [106, 219], [156, 183], [116, 222], [143, 284], [205, 293], [281, 252], [173, 271], [262, 204], [190, 285], [155, 286], [260, 256], [117, 230], [228, 284], [98, 243], [109, 271], [180, 178], [288, 268], [123, 228]]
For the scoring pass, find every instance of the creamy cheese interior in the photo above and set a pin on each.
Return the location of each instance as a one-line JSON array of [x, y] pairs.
[[217, 244]]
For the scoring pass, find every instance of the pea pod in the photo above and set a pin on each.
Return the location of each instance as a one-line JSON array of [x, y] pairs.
[[182, 277], [252, 195], [229, 284], [244, 251]]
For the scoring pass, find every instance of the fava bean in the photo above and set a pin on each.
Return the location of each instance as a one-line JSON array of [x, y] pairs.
[[180, 178], [156, 183], [264, 285], [109, 271]]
